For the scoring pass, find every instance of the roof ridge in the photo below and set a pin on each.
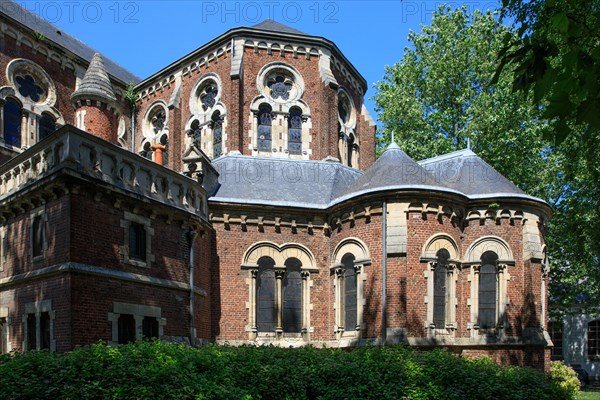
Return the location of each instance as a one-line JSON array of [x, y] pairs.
[[447, 156]]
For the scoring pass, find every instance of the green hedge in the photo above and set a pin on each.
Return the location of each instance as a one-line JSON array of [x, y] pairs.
[[157, 370]]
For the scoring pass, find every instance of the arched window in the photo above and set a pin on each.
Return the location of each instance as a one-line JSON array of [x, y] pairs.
[[350, 149], [264, 128], [295, 131], [12, 123], [350, 303], [440, 289], [217, 126], [593, 340], [265, 295], [488, 290], [292, 296], [47, 126]]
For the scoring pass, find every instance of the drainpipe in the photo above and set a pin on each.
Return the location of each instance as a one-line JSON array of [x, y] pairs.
[[132, 130], [191, 237], [384, 275]]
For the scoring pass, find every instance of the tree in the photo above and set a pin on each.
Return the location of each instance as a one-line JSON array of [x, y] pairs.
[[556, 54], [439, 96]]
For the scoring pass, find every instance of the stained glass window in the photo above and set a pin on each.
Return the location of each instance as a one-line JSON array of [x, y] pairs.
[[295, 131], [209, 97], [217, 134], [158, 121], [12, 123], [350, 292], [28, 88], [264, 128], [440, 289], [265, 295], [280, 88], [47, 126], [488, 290], [292, 296]]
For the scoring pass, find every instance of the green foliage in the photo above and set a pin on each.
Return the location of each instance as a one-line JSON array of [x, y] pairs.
[[131, 96], [557, 56], [157, 370], [439, 96], [565, 379]]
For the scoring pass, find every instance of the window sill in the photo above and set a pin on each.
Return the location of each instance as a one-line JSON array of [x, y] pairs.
[[137, 263]]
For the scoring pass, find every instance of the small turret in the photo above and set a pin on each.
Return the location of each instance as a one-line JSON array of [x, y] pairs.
[[95, 102]]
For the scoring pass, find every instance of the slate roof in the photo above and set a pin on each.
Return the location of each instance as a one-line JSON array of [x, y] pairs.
[[281, 182], [466, 172], [321, 184], [95, 83], [271, 25], [23, 16], [394, 169]]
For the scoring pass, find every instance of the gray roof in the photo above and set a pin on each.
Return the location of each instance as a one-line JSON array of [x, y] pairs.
[[281, 182], [321, 184], [95, 83], [23, 16], [393, 169], [271, 25], [466, 172]]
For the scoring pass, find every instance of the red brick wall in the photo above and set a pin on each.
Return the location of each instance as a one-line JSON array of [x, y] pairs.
[[101, 122]]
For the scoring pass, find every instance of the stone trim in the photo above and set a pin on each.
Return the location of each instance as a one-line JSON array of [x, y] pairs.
[[72, 267], [4, 232], [361, 259], [5, 323], [280, 254], [139, 311], [128, 219], [38, 308]]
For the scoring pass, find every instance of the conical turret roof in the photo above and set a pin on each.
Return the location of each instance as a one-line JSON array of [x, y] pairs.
[[394, 169], [95, 84]]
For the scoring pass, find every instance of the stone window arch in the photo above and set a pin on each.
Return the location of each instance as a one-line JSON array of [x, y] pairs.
[[155, 131], [348, 146], [284, 131], [441, 254], [279, 282], [350, 258], [488, 259], [33, 91]]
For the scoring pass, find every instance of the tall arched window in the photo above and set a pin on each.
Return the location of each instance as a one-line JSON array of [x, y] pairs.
[[295, 131], [292, 296], [264, 128], [265, 295], [350, 303], [488, 290], [47, 126], [350, 149], [440, 289], [593, 340], [217, 126], [12, 123]]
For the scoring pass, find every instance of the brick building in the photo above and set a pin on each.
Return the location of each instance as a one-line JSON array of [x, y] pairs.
[[236, 198]]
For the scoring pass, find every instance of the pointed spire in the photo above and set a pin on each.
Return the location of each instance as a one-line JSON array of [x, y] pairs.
[[393, 139], [95, 84], [468, 143]]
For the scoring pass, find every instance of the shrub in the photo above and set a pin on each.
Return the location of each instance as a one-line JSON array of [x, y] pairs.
[[157, 370], [564, 379]]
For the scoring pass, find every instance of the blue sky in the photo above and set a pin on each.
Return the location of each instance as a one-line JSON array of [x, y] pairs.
[[144, 36]]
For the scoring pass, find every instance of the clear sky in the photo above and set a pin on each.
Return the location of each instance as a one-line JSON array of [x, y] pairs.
[[145, 36]]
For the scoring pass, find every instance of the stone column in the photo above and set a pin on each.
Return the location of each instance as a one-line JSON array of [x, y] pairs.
[[279, 274]]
